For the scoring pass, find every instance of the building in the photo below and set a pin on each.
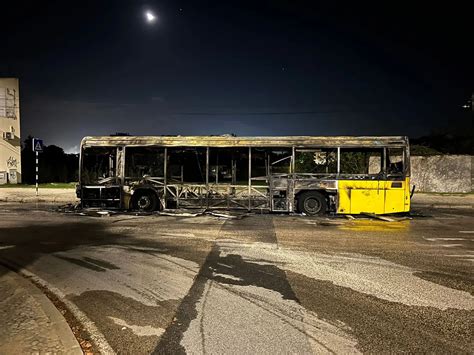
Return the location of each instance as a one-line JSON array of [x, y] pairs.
[[10, 141]]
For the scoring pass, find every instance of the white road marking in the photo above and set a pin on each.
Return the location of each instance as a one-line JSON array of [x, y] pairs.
[[443, 239], [225, 276], [139, 330], [225, 265], [179, 235], [6, 246], [467, 232]]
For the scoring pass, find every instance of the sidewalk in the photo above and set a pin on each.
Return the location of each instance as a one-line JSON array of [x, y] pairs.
[[442, 200], [31, 324]]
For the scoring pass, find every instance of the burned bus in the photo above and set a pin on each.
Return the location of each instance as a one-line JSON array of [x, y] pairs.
[[305, 174]]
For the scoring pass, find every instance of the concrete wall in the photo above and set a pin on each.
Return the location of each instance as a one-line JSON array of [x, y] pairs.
[[10, 149], [437, 173], [442, 173]]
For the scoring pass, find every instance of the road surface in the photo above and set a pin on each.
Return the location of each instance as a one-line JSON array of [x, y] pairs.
[[260, 284]]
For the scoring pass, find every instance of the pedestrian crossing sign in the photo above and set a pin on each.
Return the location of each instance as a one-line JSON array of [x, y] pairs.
[[37, 145]]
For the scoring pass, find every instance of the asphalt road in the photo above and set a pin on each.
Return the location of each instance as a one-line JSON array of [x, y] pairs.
[[260, 284]]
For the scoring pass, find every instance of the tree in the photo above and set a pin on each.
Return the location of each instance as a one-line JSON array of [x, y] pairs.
[[54, 164]]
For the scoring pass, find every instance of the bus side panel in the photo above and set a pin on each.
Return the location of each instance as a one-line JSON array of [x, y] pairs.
[[343, 198], [394, 196], [397, 196], [361, 196], [367, 201], [407, 195]]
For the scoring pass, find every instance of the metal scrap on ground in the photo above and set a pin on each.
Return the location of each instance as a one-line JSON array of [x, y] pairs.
[[201, 213], [99, 212]]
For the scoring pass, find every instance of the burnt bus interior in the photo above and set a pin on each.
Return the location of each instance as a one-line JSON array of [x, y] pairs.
[[213, 177]]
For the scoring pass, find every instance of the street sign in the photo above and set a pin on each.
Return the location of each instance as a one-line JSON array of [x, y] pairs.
[[37, 145]]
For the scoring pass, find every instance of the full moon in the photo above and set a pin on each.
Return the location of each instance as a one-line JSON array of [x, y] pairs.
[[150, 17]]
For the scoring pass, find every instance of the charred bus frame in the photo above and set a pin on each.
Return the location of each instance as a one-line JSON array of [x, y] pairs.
[[282, 174]]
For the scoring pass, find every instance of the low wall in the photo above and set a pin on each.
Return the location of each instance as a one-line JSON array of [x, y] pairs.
[[442, 173], [28, 194]]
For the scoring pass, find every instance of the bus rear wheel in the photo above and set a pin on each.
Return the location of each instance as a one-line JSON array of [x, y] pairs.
[[312, 203], [145, 201]]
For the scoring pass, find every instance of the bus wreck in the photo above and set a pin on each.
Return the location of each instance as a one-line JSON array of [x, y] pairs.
[[306, 174]]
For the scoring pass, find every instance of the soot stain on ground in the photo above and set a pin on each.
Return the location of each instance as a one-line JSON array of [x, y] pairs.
[[381, 326], [101, 263], [113, 304], [81, 263], [170, 341], [90, 263], [33, 240], [246, 274], [253, 228], [462, 282]]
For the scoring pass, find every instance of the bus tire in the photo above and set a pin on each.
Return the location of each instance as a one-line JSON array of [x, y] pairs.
[[145, 201], [312, 203]]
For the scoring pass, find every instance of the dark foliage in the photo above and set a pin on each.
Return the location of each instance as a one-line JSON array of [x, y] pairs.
[[54, 164], [443, 144]]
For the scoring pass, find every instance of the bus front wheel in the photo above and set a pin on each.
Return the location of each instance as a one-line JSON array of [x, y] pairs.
[[145, 201], [312, 203]]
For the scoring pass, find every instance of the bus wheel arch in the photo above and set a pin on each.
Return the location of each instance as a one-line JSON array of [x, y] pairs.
[[145, 199], [312, 202]]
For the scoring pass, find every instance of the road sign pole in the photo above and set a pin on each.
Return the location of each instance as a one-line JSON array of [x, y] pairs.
[[37, 145], [36, 173]]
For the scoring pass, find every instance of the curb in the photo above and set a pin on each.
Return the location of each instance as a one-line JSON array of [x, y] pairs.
[[61, 327], [427, 205], [96, 336], [36, 199]]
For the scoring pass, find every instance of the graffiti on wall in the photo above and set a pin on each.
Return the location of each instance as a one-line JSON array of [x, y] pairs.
[[12, 163]]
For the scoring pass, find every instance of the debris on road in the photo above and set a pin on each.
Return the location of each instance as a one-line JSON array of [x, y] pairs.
[[103, 213], [68, 208], [382, 218], [179, 213], [99, 212], [223, 215]]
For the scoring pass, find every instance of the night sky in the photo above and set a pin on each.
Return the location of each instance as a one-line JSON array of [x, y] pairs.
[[249, 68]]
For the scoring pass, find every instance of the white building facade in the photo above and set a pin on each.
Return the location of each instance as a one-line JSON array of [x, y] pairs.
[[10, 137]]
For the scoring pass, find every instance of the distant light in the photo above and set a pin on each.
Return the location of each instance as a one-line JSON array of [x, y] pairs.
[[150, 17], [465, 106]]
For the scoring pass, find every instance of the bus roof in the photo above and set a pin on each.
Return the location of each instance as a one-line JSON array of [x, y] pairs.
[[231, 141]]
